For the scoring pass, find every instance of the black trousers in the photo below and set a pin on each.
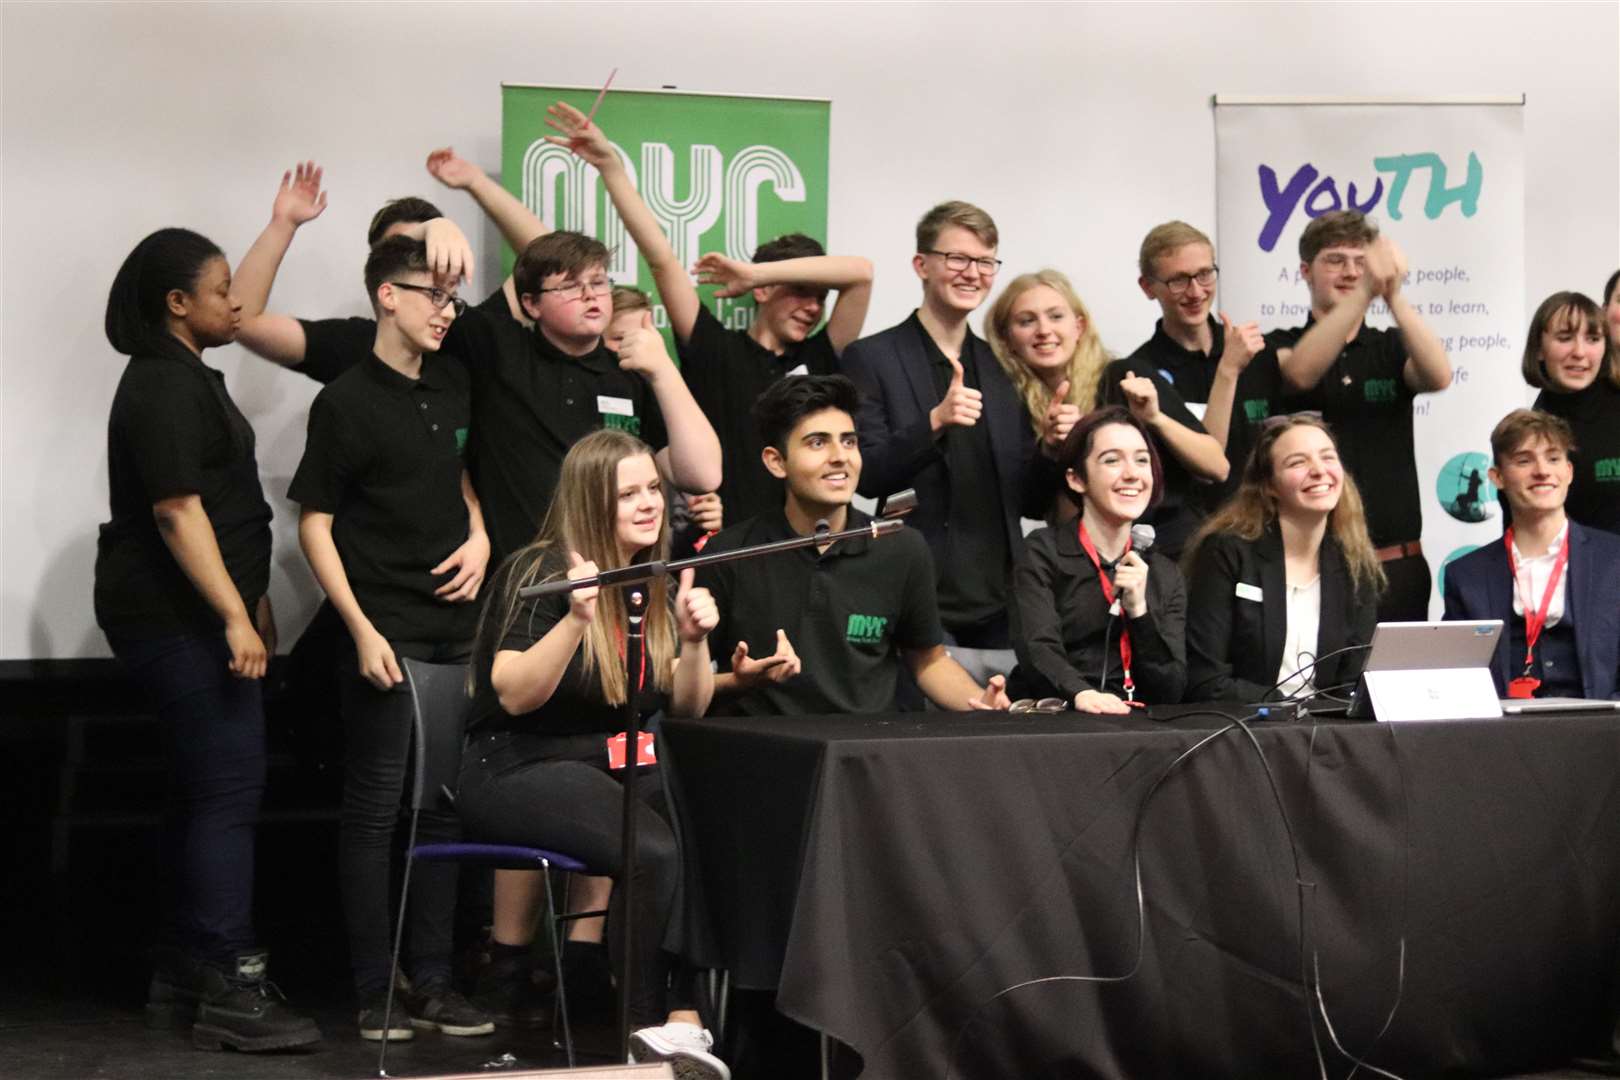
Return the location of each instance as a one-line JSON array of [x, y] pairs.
[[214, 746], [1407, 597], [557, 793], [376, 766]]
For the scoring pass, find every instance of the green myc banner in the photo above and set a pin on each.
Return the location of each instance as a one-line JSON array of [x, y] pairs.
[[720, 173]]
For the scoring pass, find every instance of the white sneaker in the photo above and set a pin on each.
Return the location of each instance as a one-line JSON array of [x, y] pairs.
[[685, 1046]]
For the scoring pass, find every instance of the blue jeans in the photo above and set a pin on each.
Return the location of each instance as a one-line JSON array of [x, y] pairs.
[[213, 737]]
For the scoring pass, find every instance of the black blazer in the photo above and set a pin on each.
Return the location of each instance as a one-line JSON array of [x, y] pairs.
[[1480, 586], [898, 448], [1060, 621], [1234, 644]]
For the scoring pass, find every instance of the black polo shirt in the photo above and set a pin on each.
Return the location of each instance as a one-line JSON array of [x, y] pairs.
[[577, 706], [531, 402], [175, 431], [973, 576], [727, 371], [1594, 416], [848, 612], [1182, 506], [1190, 371], [1365, 399], [384, 458], [333, 346]]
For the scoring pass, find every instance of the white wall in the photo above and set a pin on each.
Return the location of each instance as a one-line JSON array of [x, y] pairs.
[[1076, 126]]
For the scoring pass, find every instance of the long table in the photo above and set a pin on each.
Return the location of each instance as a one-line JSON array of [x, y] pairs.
[[890, 877]]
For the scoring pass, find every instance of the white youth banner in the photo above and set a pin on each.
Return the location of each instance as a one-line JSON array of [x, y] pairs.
[[1445, 180]]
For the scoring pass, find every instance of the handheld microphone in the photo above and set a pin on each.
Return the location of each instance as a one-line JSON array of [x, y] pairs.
[[1142, 537]]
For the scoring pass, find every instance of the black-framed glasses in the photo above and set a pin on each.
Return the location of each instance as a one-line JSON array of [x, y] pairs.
[[436, 296], [1039, 705], [1179, 284], [582, 290], [957, 261]]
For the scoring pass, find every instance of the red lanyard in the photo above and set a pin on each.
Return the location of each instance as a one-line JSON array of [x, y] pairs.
[[1108, 595], [1535, 620]]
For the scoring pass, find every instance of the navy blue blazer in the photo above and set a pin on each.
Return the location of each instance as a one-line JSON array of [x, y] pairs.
[[1480, 586], [898, 448]]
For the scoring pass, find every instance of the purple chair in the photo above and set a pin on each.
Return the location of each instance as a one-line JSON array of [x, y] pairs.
[[439, 708]]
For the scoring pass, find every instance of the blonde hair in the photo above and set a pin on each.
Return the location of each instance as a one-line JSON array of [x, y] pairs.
[[584, 518], [1253, 508], [1086, 363], [1163, 239]]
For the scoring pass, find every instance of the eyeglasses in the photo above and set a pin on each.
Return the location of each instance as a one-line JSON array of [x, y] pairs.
[[436, 296], [957, 261], [1282, 419], [582, 290], [1338, 260], [1042, 705], [1182, 282]]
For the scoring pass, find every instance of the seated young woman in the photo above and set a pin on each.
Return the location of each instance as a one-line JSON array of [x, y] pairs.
[[1094, 623], [1282, 574], [550, 687]]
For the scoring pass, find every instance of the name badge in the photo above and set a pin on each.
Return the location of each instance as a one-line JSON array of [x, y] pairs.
[[800, 370], [614, 406], [1245, 591]]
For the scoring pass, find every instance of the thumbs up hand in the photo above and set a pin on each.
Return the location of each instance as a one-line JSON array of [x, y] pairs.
[[695, 610], [1141, 396], [643, 352], [961, 405], [1059, 420]]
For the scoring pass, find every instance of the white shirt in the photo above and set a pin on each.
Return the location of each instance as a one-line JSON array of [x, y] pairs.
[[1534, 570], [1304, 604]]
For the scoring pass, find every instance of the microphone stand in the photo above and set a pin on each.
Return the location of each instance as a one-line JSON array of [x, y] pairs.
[[893, 509]]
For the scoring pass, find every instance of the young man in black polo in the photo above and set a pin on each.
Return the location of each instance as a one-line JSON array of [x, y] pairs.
[[1363, 382], [938, 414], [824, 629], [324, 348], [728, 369], [1214, 362], [393, 532]]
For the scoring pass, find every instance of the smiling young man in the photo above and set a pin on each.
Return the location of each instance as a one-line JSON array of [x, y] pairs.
[[1553, 582], [825, 629], [1363, 382], [393, 532], [727, 369], [1208, 360], [938, 414]]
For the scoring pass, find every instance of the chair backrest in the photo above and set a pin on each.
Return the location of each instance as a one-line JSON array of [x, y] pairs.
[[439, 708]]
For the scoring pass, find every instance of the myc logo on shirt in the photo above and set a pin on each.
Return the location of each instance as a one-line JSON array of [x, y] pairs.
[[866, 629], [1256, 409], [1607, 469], [629, 424], [461, 440], [1379, 391]]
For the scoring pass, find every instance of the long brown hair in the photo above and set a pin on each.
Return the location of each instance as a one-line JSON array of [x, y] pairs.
[[583, 518], [1253, 508], [1085, 364]]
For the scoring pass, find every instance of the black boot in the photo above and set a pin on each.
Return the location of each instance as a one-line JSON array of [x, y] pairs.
[[511, 990], [175, 990], [242, 1009]]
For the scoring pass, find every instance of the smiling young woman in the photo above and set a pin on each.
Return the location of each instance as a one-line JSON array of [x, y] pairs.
[[1282, 573]]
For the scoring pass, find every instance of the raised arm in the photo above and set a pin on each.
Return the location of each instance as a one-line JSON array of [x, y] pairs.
[[1198, 451], [518, 224], [675, 287], [1241, 344], [692, 458], [850, 275], [278, 338], [1428, 368]]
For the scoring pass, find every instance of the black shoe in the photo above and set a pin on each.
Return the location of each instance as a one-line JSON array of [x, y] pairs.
[[373, 1007], [175, 991], [243, 1010], [436, 1005], [509, 994]]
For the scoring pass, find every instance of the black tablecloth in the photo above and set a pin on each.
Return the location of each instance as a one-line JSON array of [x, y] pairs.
[[890, 875]]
